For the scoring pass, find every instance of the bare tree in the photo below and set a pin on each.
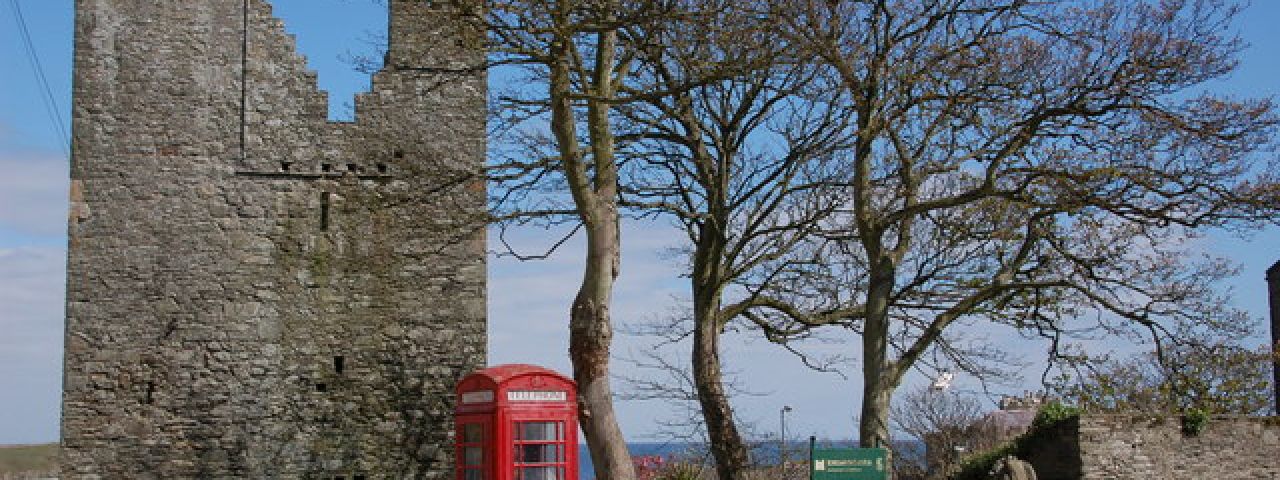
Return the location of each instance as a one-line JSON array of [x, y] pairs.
[[572, 49], [579, 60], [742, 165], [1034, 165], [948, 424]]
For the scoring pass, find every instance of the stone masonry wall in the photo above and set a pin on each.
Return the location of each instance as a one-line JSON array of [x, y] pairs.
[[1143, 447], [258, 292]]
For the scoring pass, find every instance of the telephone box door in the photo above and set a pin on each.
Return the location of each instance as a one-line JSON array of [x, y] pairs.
[[475, 447], [542, 448]]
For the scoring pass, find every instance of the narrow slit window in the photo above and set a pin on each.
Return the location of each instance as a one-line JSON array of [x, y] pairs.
[[324, 210], [321, 387], [151, 393], [339, 364]]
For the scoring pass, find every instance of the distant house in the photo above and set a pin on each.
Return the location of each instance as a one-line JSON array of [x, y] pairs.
[[1014, 416]]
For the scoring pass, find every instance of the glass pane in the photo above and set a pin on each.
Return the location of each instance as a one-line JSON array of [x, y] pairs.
[[473, 475], [538, 453], [538, 431], [473, 433], [473, 456], [539, 473]]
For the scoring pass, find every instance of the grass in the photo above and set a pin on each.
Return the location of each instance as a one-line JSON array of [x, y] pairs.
[[30, 459]]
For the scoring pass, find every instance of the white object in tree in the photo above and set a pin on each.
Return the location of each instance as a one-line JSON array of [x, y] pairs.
[[943, 381]]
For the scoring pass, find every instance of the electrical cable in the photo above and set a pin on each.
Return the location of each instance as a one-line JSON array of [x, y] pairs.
[[49, 100]]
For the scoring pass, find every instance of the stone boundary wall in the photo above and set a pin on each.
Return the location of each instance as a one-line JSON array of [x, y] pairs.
[[1145, 446]]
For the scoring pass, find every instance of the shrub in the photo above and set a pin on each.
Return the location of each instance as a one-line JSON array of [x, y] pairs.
[[977, 466], [1193, 421], [1052, 413], [679, 471]]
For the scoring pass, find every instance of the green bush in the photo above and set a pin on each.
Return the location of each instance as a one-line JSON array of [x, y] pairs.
[[1052, 413], [978, 465], [1193, 421]]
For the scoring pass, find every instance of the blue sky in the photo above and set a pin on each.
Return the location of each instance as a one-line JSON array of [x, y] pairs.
[[528, 301]]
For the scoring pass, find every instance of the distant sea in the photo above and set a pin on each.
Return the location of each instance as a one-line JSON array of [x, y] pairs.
[[764, 453]]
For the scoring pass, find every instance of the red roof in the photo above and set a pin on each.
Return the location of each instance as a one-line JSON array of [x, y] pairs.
[[499, 374]]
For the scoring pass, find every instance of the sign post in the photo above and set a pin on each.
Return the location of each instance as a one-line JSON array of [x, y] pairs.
[[847, 463]]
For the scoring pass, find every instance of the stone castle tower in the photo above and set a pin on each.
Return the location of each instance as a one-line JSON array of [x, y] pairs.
[[254, 291]]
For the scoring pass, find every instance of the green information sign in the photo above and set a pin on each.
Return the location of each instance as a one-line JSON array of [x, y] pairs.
[[849, 464]]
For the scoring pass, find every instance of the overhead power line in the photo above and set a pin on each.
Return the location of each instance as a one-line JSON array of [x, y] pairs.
[[49, 100]]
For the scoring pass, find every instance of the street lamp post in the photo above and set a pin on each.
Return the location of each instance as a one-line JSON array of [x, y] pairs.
[[782, 442]]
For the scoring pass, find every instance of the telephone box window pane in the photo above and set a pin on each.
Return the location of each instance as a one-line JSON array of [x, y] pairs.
[[538, 453], [474, 475], [540, 473], [539, 431], [473, 456], [472, 433]]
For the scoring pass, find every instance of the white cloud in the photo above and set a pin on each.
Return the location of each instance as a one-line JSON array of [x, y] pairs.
[[32, 286], [33, 195]]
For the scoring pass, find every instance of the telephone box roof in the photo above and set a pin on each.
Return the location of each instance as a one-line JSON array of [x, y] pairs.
[[500, 374]]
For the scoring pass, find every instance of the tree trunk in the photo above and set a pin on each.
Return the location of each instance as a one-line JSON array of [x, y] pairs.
[[873, 430], [706, 284], [877, 392], [879, 377], [590, 327], [590, 337], [727, 447]]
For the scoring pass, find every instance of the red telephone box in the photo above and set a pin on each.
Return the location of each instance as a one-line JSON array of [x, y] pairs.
[[516, 422]]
